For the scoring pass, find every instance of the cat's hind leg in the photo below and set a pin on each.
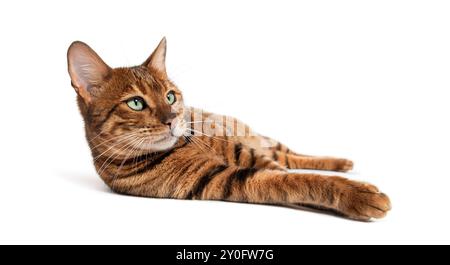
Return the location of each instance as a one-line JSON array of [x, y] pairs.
[[356, 200]]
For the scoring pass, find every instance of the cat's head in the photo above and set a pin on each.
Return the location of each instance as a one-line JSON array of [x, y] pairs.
[[133, 108]]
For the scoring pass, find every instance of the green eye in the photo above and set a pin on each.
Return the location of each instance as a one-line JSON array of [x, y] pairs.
[[136, 104], [171, 97]]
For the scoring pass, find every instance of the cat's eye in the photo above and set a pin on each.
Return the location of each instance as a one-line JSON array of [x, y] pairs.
[[136, 104], [171, 97]]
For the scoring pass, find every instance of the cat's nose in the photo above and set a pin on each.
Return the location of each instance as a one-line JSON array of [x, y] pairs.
[[167, 118], [168, 123]]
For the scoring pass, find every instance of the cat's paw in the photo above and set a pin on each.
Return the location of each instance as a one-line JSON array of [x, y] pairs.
[[343, 165], [362, 201]]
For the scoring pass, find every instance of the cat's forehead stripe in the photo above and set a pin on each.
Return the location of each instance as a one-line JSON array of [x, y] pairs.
[[146, 83], [139, 89]]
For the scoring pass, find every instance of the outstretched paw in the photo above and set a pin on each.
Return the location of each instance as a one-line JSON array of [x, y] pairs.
[[343, 165], [362, 201]]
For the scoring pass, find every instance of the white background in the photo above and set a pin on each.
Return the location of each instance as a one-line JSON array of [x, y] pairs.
[[367, 80]]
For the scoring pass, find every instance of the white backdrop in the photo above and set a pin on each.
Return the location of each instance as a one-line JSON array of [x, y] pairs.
[[367, 80]]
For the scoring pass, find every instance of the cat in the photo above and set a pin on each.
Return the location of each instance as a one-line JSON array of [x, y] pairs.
[[145, 142]]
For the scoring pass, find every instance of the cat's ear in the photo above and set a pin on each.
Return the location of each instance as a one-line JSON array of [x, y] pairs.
[[86, 69], [157, 61]]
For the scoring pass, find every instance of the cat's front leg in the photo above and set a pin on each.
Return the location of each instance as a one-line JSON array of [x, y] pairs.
[[353, 199], [293, 161]]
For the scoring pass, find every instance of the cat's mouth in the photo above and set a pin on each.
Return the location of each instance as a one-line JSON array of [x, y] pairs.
[[159, 144], [178, 128], [165, 141]]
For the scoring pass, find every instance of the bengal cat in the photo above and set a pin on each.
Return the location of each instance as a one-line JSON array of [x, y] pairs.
[[145, 142]]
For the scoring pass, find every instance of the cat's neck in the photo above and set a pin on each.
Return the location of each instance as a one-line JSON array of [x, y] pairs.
[[110, 166]]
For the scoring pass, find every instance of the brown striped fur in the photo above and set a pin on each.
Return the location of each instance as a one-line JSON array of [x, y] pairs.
[[142, 152]]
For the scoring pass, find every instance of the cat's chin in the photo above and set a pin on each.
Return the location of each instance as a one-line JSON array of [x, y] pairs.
[[160, 145]]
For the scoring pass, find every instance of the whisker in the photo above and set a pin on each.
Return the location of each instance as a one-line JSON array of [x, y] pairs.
[[92, 139], [189, 122], [132, 151], [113, 138], [204, 147], [213, 137], [116, 154], [138, 151], [114, 145], [195, 142]]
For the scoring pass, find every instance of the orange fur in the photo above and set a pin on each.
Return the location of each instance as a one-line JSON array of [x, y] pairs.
[[139, 152]]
